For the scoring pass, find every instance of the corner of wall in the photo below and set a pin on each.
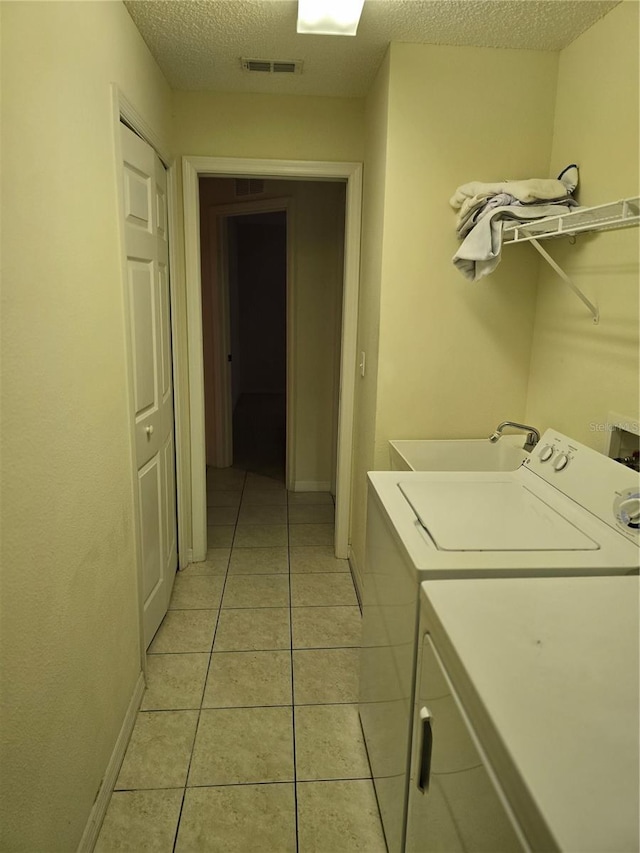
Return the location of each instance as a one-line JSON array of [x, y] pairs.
[[373, 214], [580, 371]]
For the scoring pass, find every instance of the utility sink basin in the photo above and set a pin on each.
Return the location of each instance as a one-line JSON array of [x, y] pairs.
[[472, 454]]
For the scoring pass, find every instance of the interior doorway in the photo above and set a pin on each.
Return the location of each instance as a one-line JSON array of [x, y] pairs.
[[349, 175], [272, 291]]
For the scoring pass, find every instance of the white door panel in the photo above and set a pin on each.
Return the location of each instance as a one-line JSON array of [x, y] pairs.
[[141, 286], [137, 198], [142, 306], [170, 533], [147, 249], [165, 331], [161, 212], [143, 311], [150, 497]]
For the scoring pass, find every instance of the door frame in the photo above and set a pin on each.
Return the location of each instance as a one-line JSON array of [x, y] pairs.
[[123, 109], [222, 383], [192, 169]]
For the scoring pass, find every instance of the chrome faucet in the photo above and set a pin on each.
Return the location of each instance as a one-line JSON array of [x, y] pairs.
[[533, 436]]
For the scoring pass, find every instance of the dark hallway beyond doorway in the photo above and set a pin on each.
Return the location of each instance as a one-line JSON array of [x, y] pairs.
[[258, 291], [260, 434]]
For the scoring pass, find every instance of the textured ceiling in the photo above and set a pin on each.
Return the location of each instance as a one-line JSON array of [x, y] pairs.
[[199, 43]]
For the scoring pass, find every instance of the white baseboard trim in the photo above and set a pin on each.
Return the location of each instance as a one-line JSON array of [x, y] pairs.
[[92, 829], [311, 486]]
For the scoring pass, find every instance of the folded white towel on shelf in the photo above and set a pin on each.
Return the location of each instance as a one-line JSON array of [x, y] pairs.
[[480, 251], [483, 207], [473, 209], [531, 190]]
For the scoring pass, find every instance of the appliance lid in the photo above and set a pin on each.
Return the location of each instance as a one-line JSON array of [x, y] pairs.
[[491, 516]]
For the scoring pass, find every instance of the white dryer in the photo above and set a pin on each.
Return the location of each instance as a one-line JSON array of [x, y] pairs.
[[567, 510], [526, 709]]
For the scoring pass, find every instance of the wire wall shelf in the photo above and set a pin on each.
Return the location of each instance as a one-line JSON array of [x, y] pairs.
[[605, 217]]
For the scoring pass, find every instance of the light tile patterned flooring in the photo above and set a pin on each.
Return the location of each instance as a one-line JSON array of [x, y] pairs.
[[248, 737]]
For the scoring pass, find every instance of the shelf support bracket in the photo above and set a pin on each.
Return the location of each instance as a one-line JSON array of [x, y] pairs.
[[595, 313]]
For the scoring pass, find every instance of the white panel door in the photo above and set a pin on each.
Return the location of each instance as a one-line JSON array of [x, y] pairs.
[[147, 250]]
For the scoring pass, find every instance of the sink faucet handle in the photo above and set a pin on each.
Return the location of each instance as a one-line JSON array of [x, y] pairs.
[[533, 436]]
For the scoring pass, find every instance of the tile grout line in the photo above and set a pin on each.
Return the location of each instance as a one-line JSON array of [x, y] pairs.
[[293, 706], [254, 607], [206, 678], [224, 576]]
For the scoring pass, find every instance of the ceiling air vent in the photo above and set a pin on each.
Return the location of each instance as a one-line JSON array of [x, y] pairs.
[[284, 68], [273, 66]]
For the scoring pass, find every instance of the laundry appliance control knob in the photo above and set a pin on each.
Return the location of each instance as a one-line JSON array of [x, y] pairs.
[[561, 461], [546, 453], [628, 511]]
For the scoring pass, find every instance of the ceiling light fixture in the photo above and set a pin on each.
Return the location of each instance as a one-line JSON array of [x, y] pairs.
[[329, 17]]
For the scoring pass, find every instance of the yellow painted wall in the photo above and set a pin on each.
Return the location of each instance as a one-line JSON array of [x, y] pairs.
[[317, 276], [69, 620], [581, 371], [454, 356], [373, 202], [218, 124]]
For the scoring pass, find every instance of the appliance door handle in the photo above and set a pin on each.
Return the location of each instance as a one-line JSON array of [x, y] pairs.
[[426, 749]]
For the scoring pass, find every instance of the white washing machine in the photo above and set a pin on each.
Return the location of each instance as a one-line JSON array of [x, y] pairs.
[[526, 729], [567, 510]]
